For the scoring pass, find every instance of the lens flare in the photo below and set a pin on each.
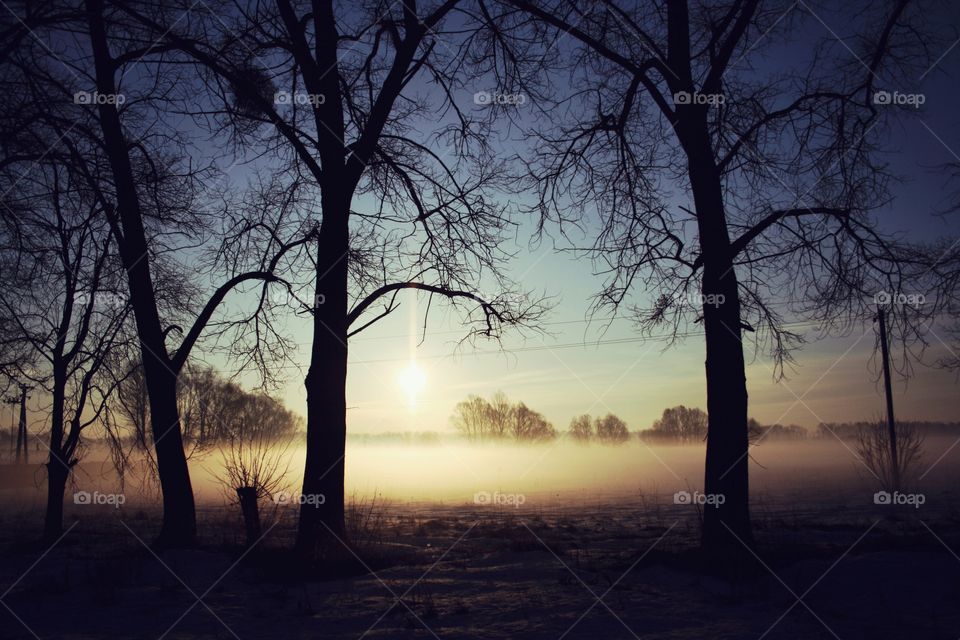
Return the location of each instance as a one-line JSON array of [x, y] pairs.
[[412, 380]]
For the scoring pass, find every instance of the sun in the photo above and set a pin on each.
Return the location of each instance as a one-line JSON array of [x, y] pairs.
[[412, 381]]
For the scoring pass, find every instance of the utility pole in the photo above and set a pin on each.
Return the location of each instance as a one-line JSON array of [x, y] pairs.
[[22, 430], [891, 425], [12, 401]]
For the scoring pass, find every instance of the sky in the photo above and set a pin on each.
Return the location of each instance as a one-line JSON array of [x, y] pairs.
[[600, 365], [605, 365]]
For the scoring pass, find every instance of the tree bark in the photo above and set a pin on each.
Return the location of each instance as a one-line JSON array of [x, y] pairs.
[[726, 527], [57, 475], [251, 513], [322, 509], [57, 466], [179, 527]]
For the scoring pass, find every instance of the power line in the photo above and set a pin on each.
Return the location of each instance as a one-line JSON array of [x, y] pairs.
[[545, 347]]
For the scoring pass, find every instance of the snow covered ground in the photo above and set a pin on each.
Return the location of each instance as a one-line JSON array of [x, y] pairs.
[[621, 567]]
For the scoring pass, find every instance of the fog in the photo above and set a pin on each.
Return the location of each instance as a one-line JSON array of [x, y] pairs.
[[569, 472], [545, 475]]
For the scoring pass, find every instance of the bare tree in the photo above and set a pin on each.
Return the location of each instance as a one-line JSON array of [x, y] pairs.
[[499, 419], [780, 169], [581, 428], [59, 292], [612, 430], [153, 195], [683, 424], [471, 418], [527, 425], [499, 413], [132, 402], [399, 208], [873, 447], [254, 442]]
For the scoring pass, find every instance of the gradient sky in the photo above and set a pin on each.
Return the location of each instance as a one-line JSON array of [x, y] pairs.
[[569, 372]]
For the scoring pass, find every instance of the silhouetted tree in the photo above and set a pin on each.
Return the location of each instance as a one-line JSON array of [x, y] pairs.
[[612, 430], [682, 424], [396, 210], [59, 292], [499, 415], [254, 434], [112, 131], [780, 169], [527, 425], [471, 418], [477, 419], [581, 428], [873, 447]]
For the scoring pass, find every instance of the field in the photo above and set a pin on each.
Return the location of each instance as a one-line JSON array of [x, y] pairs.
[[563, 563]]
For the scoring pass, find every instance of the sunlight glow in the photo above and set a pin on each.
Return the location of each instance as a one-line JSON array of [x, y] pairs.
[[413, 381]]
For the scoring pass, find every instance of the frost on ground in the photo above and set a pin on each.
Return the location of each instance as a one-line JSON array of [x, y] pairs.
[[619, 569]]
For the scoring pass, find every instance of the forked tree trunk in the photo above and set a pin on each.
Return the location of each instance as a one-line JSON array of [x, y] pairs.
[[322, 530], [179, 517]]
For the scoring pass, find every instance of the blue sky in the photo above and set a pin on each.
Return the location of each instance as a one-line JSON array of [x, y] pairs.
[[569, 372]]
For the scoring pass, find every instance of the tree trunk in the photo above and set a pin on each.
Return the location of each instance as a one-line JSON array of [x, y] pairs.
[[726, 527], [179, 527], [322, 527], [251, 513], [57, 465], [57, 475], [179, 517]]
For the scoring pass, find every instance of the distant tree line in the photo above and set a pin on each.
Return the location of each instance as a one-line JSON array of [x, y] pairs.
[[679, 424], [213, 410], [776, 431], [609, 429], [852, 430], [688, 425], [479, 419]]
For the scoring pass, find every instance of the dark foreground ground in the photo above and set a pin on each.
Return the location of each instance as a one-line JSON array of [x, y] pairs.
[[620, 569]]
